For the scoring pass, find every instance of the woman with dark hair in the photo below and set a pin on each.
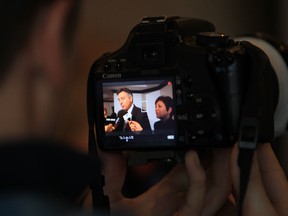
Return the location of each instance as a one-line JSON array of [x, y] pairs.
[[164, 111]]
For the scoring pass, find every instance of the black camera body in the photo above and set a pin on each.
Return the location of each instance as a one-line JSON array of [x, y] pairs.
[[207, 74]]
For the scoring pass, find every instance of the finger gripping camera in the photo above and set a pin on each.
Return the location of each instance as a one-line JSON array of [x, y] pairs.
[[221, 89]]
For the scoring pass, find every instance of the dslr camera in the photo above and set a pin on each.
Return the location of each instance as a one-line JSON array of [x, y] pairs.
[[220, 92]]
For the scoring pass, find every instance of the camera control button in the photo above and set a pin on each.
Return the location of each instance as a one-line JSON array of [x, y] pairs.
[[199, 115], [179, 101], [200, 132], [118, 66], [195, 98], [178, 92], [190, 95], [107, 67], [198, 100], [188, 80], [218, 59], [191, 136], [213, 39]]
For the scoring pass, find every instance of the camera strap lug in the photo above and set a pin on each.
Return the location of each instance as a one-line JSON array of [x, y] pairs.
[[248, 133]]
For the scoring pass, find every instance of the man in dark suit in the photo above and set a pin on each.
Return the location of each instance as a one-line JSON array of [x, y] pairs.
[[130, 118]]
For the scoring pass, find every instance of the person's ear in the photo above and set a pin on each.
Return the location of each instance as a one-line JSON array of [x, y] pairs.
[[48, 48]]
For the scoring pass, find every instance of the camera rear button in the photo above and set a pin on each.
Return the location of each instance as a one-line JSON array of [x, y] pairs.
[[190, 95], [107, 67], [118, 67]]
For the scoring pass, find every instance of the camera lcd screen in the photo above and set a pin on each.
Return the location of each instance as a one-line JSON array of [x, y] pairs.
[[139, 114]]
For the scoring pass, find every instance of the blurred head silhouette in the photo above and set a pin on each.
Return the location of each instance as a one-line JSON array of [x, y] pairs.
[[36, 45]]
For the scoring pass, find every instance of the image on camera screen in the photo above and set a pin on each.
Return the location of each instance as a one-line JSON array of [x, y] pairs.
[[139, 114]]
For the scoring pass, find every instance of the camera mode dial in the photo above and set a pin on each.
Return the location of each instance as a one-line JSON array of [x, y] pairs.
[[212, 39]]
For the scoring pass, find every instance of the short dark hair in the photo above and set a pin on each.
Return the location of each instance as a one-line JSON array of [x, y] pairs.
[[17, 18], [128, 91], [168, 101]]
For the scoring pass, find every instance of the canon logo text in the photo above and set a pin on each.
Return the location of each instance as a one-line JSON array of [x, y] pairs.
[[111, 76]]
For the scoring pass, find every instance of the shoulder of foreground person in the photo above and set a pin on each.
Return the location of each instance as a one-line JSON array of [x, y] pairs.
[[45, 167]]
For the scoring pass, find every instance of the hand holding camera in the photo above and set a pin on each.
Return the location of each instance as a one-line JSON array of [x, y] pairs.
[[192, 190]]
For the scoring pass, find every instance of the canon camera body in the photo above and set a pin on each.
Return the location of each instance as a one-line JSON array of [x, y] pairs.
[[212, 81]]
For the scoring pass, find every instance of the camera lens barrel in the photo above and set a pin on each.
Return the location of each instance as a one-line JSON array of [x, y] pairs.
[[279, 64]]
